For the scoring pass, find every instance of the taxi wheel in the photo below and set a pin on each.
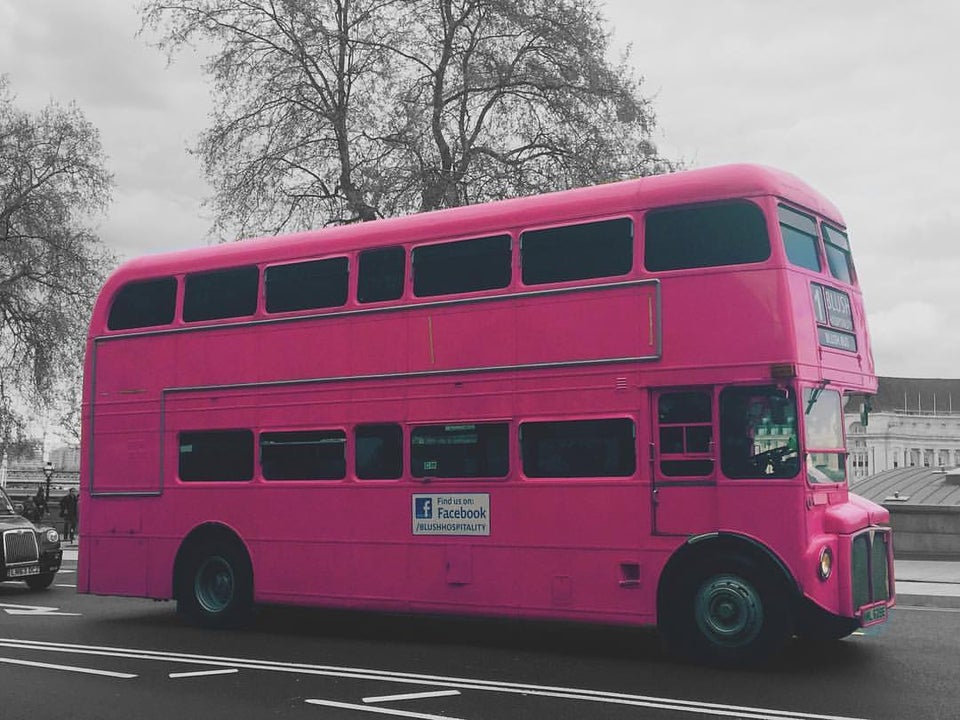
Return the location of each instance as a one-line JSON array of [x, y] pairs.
[[40, 582]]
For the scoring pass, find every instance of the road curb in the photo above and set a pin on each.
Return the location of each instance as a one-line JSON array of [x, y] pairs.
[[928, 601]]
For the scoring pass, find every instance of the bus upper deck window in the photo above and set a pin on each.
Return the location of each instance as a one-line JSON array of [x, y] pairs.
[[147, 303], [306, 285], [800, 240], [838, 254], [461, 266], [381, 274], [221, 294], [698, 236], [577, 252]]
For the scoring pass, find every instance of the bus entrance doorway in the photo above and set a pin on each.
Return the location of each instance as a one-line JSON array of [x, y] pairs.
[[684, 467]]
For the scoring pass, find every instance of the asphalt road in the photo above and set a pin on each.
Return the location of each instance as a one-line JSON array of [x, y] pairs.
[[66, 656]]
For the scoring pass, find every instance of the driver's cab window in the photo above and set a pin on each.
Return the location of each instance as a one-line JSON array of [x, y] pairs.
[[758, 432], [826, 454]]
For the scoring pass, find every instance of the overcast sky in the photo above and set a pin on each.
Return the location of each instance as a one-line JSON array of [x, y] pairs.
[[859, 98]]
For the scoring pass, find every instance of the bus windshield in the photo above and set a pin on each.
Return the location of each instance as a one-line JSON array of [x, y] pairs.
[[758, 432], [823, 421]]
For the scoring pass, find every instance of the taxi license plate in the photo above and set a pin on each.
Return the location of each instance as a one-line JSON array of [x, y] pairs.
[[874, 615], [23, 571]]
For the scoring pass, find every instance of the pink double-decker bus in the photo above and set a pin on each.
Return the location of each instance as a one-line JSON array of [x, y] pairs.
[[618, 404]]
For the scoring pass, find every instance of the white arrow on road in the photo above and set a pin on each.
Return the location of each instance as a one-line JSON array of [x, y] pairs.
[[13, 609]]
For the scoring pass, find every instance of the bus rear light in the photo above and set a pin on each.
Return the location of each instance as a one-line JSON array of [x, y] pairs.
[[825, 564], [783, 371]]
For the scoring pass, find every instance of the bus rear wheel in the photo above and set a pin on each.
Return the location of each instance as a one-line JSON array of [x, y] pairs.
[[216, 589], [725, 611]]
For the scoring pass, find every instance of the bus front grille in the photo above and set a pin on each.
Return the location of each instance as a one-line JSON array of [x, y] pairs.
[[870, 568], [20, 546]]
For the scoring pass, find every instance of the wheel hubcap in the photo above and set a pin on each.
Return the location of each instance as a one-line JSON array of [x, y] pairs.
[[213, 584], [729, 610]]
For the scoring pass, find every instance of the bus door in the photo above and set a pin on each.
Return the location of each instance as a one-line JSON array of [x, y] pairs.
[[684, 468]]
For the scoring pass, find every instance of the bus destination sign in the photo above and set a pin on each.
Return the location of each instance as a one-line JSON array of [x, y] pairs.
[[834, 315], [451, 514]]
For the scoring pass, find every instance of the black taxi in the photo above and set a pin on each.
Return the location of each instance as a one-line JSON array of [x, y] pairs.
[[28, 552]]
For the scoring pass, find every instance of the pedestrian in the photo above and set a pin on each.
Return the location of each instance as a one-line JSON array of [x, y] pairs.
[[68, 511], [30, 511], [40, 504]]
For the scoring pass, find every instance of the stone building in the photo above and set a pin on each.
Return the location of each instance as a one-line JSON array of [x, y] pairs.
[[913, 423]]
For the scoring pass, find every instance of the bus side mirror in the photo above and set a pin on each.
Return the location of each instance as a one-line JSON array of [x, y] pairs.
[[865, 413]]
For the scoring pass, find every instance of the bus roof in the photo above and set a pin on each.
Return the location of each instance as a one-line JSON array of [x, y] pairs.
[[689, 186]]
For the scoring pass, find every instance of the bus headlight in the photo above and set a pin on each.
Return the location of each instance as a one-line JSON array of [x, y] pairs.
[[825, 564]]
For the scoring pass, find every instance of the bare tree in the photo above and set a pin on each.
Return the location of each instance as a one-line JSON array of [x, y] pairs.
[[52, 177], [516, 97], [333, 111]]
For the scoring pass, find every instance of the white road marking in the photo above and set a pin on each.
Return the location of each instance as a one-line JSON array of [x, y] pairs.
[[508, 688], [411, 696], [16, 609], [380, 710], [69, 668], [204, 673]]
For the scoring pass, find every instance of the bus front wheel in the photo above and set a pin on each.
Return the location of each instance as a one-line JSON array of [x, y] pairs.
[[724, 610], [216, 589]]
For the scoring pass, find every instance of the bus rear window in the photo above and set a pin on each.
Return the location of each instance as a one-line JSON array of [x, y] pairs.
[[461, 266], [221, 294], [462, 450], [144, 304], [578, 448], [730, 233], [306, 285], [577, 252], [216, 456]]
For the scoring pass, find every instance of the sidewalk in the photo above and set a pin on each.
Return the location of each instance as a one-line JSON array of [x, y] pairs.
[[928, 583], [920, 583]]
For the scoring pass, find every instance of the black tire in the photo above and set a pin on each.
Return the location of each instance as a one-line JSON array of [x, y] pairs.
[[724, 610], [40, 582], [216, 587]]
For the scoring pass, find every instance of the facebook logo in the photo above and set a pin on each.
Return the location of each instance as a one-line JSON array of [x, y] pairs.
[[423, 508]]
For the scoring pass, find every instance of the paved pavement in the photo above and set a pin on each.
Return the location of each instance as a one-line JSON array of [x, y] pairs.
[[920, 583], [928, 583]]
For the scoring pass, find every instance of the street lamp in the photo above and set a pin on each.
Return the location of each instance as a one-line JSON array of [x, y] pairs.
[[48, 474]]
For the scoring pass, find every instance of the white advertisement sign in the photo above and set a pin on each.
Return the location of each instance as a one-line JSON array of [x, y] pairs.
[[451, 514]]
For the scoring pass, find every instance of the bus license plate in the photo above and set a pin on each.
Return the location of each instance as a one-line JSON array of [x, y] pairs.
[[23, 571], [874, 615]]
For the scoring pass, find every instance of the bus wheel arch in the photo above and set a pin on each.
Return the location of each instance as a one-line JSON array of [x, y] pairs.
[[213, 577], [724, 599]]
